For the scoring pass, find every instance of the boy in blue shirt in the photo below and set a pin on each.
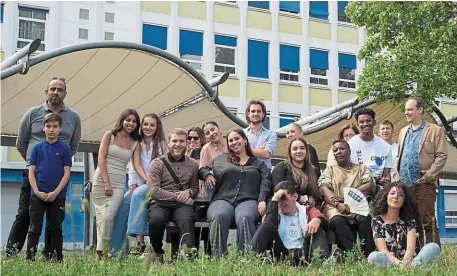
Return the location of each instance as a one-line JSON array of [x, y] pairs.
[[49, 172]]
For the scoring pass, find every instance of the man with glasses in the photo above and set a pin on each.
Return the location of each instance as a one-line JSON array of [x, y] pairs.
[[31, 133]]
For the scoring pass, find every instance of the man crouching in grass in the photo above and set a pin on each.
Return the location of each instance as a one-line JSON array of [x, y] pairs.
[[49, 172], [289, 229]]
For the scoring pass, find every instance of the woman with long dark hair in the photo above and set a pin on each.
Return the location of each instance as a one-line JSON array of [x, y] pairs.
[[116, 149], [394, 228], [298, 169], [132, 217], [242, 185]]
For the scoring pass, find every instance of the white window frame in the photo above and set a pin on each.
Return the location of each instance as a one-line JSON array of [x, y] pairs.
[[223, 64], [106, 13], [75, 161], [108, 33], [43, 42], [287, 116], [347, 80], [191, 62], [450, 225], [84, 10], [326, 77], [290, 73], [79, 33]]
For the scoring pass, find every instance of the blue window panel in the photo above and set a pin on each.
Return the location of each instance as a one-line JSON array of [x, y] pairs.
[[259, 4], [347, 61], [257, 59], [341, 7], [286, 119], [290, 6], [155, 36], [318, 59], [289, 58], [266, 123], [1, 13], [191, 43], [318, 9], [225, 40]]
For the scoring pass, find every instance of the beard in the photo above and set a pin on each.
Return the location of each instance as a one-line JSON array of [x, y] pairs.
[[177, 153]]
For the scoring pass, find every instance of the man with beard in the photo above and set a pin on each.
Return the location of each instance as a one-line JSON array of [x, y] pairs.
[[369, 149], [173, 182], [262, 141], [31, 133]]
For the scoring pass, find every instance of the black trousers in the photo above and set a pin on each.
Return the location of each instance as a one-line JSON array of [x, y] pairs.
[[160, 213], [267, 238], [56, 213], [346, 233], [20, 227]]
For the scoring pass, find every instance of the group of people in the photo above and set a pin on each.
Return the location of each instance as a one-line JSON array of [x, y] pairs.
[[287, 210]]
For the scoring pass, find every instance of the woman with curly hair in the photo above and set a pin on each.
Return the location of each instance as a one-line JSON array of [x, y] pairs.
[[394, 228]]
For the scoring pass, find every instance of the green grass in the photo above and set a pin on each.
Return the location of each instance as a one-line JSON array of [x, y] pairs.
[[85, 264]]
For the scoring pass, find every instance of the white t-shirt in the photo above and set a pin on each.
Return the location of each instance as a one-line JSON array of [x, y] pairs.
[[290, 231], [375, 154], [394, 148]]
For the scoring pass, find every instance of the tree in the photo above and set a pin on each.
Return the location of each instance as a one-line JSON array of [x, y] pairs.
[[410, 47]]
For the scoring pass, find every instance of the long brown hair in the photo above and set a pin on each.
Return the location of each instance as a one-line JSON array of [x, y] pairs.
[[233, 158], [308, 178], [158, 139], [347, 126], [200, 134]]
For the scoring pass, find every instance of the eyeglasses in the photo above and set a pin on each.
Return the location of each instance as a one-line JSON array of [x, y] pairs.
[[195, 138]]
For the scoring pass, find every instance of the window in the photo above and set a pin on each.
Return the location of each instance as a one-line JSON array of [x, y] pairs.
[[347, 65], [290, 6], [285, 119], [257, 59], [450, 205], [191, 48], [155, 36], [78, 157], [225, 54], [84, 14], [318, 9], [83, 34], [76, 189], [259, 4], [32, 25], [318, 63], [342, 17], [289, 63], [1, 12], [109, 36], [109, 17], [266, 123]]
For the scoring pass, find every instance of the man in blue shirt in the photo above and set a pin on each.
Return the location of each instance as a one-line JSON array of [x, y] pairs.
[[262, 141], [49, 172]]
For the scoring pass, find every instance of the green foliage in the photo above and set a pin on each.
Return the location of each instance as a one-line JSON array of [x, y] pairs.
[[78, 263], [407, 43]]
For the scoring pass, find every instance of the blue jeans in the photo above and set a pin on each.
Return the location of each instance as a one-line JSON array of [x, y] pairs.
[[118, 237], [138, 215], [428, 254]]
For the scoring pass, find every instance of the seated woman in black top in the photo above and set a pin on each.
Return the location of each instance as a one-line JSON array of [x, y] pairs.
[[298, 170], [242, 185]]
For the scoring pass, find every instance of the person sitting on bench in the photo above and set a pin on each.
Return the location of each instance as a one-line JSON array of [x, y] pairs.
[[289, 229], [173, 180], [242, 185]]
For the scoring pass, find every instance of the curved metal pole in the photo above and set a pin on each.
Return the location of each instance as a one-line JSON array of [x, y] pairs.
[[447, 128], [131, 46], [24, 52]]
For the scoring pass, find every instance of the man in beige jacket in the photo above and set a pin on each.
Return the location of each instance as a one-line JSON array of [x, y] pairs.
[[422, 154]]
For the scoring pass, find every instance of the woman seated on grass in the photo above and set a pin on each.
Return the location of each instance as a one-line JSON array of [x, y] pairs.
[[394, 229], [290, 229]]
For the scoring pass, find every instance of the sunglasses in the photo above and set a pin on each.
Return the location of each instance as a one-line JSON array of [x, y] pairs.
[[195, 138]]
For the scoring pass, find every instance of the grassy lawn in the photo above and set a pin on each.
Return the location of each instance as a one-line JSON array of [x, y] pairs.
[[85, 264]]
